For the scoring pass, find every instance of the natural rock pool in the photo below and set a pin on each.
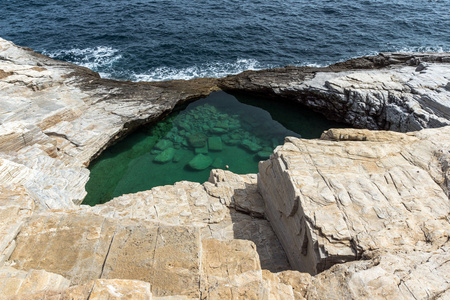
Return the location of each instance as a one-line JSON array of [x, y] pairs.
[[219, 131]]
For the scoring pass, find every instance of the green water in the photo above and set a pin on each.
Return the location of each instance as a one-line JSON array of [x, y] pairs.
[[219, 131]]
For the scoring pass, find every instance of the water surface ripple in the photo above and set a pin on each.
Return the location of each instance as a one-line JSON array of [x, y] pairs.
[[181, 39]]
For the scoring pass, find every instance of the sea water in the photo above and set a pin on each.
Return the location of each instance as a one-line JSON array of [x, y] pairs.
[[182, 39], [219, 131]]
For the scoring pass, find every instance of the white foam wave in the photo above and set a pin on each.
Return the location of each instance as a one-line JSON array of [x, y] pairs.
[[423, 49], [314, 65], [97, 59], [215, 69]]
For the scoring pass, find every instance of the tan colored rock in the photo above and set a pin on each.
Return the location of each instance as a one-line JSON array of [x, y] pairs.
[[16, 205], [20, 283], [165, 256], [238, 192], [96, 289], [188, 203], [230, 272], [72, 245], [337, 200], [120, 289], [368, 209]]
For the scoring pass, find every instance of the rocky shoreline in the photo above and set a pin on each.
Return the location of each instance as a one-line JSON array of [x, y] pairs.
[[355, 214]]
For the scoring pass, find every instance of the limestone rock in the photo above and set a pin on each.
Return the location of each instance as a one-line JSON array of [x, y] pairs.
[[332, 202], [375, 92], [368, 209], [16, 283], [239, 192], [96, 289], [55, 117], [120, 289], [16, 205]]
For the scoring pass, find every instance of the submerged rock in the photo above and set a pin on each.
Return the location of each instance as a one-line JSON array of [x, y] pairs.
[[218, 163], [251, 146], [202, 150], [264, 154], [200, 162], [215, 143], [197, 140], [163, 144], [218, 130], [177, 156], [165, 156]]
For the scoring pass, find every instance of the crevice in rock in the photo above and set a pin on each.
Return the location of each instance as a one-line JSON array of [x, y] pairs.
[[61, 135], [107, 253]]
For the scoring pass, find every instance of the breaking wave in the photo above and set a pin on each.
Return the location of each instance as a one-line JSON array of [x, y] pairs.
[[99, 59], [215, 69]]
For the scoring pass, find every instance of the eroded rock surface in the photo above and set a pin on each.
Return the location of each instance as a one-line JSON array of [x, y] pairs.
[[368, 209], [181, 239], [56, 117], [379, 198], [390, 91]]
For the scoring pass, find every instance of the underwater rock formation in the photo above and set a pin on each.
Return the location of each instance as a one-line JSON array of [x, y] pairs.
[[364, 213]]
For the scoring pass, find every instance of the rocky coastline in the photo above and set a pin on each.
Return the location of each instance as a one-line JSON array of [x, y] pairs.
[[356, 214]]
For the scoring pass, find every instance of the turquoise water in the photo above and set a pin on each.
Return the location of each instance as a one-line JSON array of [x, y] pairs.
[[219, 131]]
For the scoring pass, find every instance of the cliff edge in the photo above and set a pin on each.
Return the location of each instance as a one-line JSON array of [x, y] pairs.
[[356, 214]]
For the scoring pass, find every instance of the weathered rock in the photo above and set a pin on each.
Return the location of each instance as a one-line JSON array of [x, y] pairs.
[[149, 236], [15, 282], [370, 209], [333, 201], [374, 92], [55, 117], [43, 285]]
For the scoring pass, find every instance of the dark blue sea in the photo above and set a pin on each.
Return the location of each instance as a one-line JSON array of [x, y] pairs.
[[180, 39]]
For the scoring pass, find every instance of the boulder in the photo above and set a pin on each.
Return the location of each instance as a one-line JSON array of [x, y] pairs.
[[218, 163], [264, 154], [202, 150], [250, 146], [200, 162], [215, 143], [197, 140], [165, 156]]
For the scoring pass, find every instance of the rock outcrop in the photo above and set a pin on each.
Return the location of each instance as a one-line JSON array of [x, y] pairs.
[[56, 117], [391, 91], [357, 214]]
